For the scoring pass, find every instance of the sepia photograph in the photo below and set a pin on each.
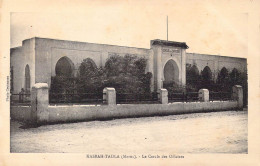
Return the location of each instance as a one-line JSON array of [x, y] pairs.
[[130, 80], [56, 84]]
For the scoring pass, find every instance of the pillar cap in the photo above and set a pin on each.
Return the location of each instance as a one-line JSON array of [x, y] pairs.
[[203, 90], [40, 86], [238, 86], [110, 89], [162, 89]]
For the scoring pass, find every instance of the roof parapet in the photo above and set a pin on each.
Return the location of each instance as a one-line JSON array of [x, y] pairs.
[[169, 43]]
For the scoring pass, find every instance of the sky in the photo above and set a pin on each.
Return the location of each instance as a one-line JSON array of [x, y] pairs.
[[208, 27]]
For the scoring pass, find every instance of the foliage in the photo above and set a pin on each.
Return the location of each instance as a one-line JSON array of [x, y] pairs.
[[61, 84], [126, 74], [225, 80], [206, 76], [192, 77], [173, 87]]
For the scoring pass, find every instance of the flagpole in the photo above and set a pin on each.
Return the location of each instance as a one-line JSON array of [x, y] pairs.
[[167, 27]]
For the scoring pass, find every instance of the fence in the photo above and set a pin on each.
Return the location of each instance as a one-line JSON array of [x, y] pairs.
[[20, 99], [41, 112], [121, 98], [220, 96], [91, 98], [131, 98], [125, 98], [183, 97]]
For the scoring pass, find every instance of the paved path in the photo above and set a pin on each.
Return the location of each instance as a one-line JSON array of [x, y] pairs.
[[217, 132]]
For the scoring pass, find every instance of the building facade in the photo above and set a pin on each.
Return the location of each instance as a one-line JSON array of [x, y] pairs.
[[38, 59]]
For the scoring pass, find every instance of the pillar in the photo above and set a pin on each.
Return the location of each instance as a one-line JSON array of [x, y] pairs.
[[39, 103], [105, 95], [109, 94], [204, 95], [151, 68], [159, 68], [163, 96], [237, 94], [183, 67]]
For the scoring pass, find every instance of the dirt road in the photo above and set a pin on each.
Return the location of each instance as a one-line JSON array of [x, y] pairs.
[[217, 132]]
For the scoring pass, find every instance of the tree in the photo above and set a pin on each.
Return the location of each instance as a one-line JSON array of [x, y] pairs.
[[223, 80], [192, 76], [127, 74], [90, 77], [234, 76]]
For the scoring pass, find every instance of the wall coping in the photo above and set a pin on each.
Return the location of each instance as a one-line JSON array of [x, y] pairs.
[[41, 86]]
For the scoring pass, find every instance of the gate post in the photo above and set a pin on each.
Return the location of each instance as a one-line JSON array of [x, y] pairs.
[[109, 94], [105, 95], [204, 95], [163, 96], [39, 103], [237, 94]]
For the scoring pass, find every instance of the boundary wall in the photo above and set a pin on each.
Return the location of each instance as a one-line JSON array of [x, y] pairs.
[[41, 112]]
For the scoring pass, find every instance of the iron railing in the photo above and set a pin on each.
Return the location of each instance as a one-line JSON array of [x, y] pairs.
[[220, 96], [183, 97], [88, 98], [121, 98], [20, 99], [132, 98]]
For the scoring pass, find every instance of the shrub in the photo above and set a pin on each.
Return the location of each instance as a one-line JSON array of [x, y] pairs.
[[126, 74]]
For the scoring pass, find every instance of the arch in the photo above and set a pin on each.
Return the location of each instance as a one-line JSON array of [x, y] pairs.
[[235, 72], [64, 67], [171, 72], [223, 73], [27, 78], [223, 76], [195, 70], [206, 74], [234, 76], [192, 74]]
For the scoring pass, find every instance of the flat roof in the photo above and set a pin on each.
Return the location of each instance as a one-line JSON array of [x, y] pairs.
[[215, 55], [146, 49]]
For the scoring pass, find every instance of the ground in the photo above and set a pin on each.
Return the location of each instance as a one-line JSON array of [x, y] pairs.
[[216, 132]]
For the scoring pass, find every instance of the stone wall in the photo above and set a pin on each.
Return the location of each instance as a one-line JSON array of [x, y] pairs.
[[43, 113], [88, 113], [20, 57], [40, 112], [49, 51], [20, 113], [216, 63], [42, 54], [164, 54], [17, 63]]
